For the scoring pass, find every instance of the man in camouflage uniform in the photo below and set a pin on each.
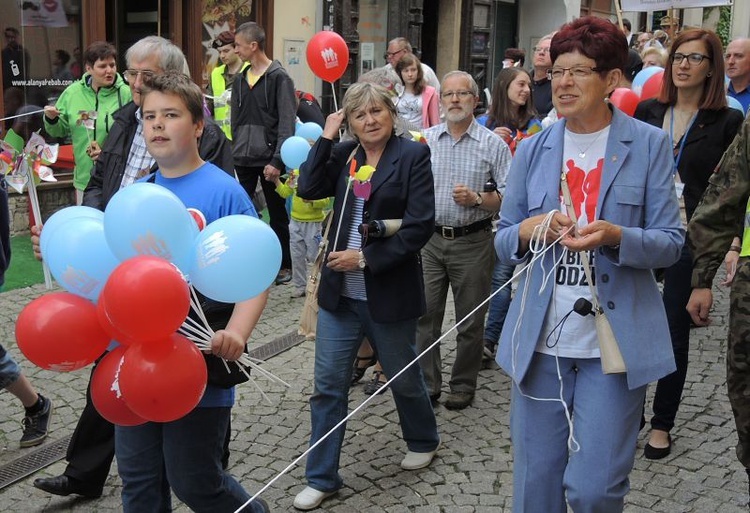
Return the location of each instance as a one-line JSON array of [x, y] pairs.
[[722, 215]]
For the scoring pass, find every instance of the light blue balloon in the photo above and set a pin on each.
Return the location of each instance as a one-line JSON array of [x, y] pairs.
[[79, 257], [642, 77], [294, 151], [148, 219], [309, 131], [60, 217], [734, 103], [235, 258]]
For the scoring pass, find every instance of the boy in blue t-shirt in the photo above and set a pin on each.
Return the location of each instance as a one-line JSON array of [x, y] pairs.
[[187, 453]]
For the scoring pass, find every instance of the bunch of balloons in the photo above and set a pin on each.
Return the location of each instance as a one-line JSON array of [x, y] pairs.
[[126, 274], [295, 149]]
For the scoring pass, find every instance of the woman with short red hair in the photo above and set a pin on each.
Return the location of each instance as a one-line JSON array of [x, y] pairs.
[[597, 187]]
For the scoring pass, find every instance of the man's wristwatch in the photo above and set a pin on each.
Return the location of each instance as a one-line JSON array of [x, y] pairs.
[[479, 200], [362, 261]]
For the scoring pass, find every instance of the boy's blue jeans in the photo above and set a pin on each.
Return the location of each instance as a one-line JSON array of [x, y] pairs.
[[184, 454], [9, 370]]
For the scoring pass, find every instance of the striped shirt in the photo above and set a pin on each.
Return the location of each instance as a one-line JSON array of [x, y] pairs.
[[139, 159], [478, 155], [354, 281]]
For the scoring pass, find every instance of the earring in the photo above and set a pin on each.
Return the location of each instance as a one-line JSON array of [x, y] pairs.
[[709, 74]]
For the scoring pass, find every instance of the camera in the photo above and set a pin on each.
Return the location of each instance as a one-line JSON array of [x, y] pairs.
[[380, 228], [490, 186]]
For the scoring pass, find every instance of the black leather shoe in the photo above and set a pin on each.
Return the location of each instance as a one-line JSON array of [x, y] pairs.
[[64, 485], [657, 453]]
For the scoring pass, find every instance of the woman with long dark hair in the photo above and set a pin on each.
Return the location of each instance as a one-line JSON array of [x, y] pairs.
[[511, 114], [692, 110]]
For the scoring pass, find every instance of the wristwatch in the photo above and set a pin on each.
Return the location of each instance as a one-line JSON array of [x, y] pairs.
[[478, 201], [362, 261]]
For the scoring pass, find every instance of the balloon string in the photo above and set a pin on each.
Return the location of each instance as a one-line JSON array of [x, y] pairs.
[[335, 103], [34, 199], [341, 217], [24, 114]]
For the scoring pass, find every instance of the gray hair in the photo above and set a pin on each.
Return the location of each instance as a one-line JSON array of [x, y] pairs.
[[472, 83], [170, 56], [362, 94], [405, 44]]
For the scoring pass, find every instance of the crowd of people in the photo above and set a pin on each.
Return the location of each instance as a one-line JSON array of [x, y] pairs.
[[553, 178]]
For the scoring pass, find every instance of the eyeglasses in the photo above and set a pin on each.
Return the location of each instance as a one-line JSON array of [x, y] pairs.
[[575, 72], [462, 95], [388, 55], [132, 74], [540, 49], [692, 58]]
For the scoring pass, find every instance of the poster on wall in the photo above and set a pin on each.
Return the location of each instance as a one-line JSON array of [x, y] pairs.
[[219, 16], [294, 60], [43, 13], [367, 54], [658, 5]]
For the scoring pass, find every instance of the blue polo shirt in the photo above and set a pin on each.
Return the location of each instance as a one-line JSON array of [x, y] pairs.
[[743, 96]]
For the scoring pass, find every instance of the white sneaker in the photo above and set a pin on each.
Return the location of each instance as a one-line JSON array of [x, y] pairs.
[[417, 460], [310, 498]]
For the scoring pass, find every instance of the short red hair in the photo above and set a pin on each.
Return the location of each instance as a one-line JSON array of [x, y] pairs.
[[596, 38]]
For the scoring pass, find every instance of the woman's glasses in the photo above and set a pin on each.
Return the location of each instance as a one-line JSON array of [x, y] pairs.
[[692, 58]]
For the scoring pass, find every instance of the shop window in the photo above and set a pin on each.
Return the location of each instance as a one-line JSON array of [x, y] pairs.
[[373, 34], [41, 55]]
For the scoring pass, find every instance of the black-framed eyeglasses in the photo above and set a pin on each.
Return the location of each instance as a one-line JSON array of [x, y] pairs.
[[132, 74], [388, 55], [692, 58], [462, 95], [575, 72]]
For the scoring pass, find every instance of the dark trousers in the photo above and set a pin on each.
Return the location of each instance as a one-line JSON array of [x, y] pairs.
[[675, 296], [249, 177], [92, 446]]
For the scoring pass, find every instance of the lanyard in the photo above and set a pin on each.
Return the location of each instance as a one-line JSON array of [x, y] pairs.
[[684, 137]]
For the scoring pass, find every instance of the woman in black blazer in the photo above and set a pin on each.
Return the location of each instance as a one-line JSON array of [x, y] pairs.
[[370, 286], [692, 110]]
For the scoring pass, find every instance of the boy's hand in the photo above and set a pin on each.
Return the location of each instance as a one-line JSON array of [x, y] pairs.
[[36, 232], [227, 344]]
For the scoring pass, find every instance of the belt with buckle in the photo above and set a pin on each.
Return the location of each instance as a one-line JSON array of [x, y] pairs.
[[451, 232]]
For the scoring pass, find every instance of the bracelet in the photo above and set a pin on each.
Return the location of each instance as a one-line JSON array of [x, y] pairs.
[[738, 249]]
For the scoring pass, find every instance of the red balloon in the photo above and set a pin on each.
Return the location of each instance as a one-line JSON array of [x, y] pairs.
[[652, 86], [61, 332], [327, 55], [105, 391], [146, 298], [625, 100], [110, 328], [163, 382]]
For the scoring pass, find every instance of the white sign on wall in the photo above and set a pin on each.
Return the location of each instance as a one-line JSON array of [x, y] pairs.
[[658, 5]]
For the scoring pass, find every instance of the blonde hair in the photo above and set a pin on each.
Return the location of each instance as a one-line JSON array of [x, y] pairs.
[[659, 53]]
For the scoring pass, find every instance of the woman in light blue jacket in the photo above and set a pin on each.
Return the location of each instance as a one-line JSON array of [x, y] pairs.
[[574, 428]]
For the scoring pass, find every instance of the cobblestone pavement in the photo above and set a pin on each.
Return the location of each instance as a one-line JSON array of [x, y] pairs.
[[472, 472]]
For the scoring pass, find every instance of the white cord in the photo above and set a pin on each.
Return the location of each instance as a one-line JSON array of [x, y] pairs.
[[538, 246]]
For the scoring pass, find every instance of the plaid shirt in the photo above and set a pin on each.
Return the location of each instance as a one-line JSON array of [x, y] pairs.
[[139, 160], [472, 160]]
